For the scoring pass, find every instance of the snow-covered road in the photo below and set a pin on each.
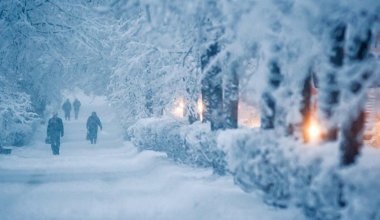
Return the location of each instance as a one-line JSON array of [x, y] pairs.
[[111, 180]]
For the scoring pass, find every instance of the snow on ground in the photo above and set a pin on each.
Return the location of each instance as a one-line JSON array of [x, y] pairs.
[[112, 180]]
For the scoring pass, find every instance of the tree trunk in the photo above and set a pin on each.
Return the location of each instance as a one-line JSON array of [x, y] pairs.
[[268, 111], [329, 92], [192, 98], [212, 91], [352, 130], [306, 106], [212, 94], [191, 111], [352, 138], [149, 102], [231, 98]]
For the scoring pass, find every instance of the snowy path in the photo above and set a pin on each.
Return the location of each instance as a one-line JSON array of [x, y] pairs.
[[112, 180]]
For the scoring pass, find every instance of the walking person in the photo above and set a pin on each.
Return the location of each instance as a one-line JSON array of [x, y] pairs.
[[76, 105], [93, 122], [66, 107], [54, 133]]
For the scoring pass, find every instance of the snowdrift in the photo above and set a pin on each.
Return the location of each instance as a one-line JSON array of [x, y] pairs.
[[286, 171]]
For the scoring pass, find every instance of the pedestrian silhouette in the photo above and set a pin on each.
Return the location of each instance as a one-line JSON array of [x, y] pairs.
[[54, 133], [93, 122], [66, 107], [76, 105]]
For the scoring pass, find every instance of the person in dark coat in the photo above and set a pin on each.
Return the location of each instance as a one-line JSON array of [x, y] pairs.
[[76, 105], [93, 122], [66, 107], [54, 133]]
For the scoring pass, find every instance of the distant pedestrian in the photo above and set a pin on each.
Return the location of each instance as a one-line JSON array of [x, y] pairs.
[[93, 122], [76, 105], [66, 107], [54, 133]]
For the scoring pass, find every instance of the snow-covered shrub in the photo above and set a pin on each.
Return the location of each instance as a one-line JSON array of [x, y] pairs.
[[362, 187], [281, 168], [201, 147], [290, 173], [190, 144], [16, 116], [258, 161], [158, 134]]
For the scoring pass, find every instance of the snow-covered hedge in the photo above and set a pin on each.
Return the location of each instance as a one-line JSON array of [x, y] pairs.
[[307, 176], [191, 144], [288, 172]]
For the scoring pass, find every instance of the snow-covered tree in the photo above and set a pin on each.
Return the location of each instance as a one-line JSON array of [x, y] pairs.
[[47, 46]]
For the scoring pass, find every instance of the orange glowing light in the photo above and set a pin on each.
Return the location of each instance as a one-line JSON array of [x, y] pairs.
[[200, 108], [313, 131], [179, 109]]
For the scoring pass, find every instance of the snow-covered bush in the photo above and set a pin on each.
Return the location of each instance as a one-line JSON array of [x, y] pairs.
[[362, 187], [290, 173], [201, 147], [16, 116], [257, 161], [159, 134], [190, 144]]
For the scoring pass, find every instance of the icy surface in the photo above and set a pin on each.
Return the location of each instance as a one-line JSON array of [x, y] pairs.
[[112, 180]]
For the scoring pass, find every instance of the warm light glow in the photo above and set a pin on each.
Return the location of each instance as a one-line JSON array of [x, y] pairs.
[[248, 115], [179, 108], [253, 123], [200, 108], [376, 134], [314, 131]]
